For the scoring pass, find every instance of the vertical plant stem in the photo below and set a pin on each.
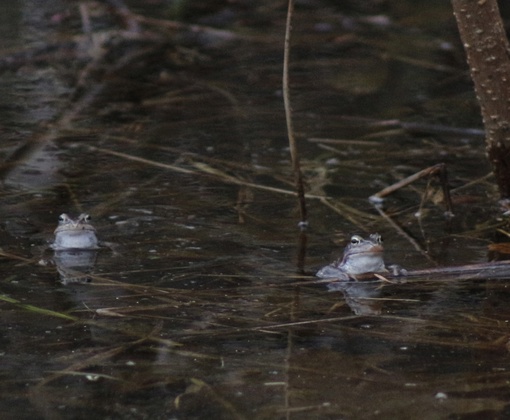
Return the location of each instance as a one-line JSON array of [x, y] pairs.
[[288, 117]]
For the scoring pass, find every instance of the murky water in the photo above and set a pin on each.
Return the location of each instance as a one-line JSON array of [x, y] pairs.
[[204, 305]]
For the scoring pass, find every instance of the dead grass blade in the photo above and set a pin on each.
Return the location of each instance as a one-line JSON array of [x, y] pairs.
[[203, 169], [37, 310]]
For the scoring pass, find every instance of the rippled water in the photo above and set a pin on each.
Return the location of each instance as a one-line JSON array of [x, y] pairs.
[[203, 304]]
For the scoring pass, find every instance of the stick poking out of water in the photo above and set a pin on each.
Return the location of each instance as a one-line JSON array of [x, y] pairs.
[[288, 117]]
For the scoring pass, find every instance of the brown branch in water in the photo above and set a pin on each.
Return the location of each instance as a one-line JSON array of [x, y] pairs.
[[288, 117], [402, 233], [439, 170], [487, 270], [487, 48]]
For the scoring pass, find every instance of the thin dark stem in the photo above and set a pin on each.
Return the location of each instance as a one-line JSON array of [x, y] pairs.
[[288, 116]]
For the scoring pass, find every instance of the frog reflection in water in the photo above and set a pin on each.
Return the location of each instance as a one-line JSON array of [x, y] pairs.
[[361, 257], [75, 233]]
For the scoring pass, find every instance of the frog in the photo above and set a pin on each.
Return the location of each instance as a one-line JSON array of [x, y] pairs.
[[75, 233], [361, 259]]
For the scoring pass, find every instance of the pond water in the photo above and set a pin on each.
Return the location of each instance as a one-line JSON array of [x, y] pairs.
[[203, 303]]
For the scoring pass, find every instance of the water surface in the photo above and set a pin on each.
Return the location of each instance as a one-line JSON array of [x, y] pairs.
[[206, 306]]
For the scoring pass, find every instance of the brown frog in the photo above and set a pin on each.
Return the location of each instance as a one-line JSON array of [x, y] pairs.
[[75, 233], [361, 257]]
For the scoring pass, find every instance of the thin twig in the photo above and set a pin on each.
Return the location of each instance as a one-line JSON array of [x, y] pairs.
[[403, 233], [288, 117], [439, 169]]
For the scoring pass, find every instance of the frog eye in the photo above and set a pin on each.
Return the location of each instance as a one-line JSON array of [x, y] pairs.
[[376, 238], [355, 240], [84, 217], [62, 218]]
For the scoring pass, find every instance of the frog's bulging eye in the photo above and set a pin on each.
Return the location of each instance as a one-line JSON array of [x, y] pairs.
[[84, 217], [62, 217], [376, 238], [355, 240]]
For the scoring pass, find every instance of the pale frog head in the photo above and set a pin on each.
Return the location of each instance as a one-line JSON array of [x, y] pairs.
[[363, 255], [75, 233]]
